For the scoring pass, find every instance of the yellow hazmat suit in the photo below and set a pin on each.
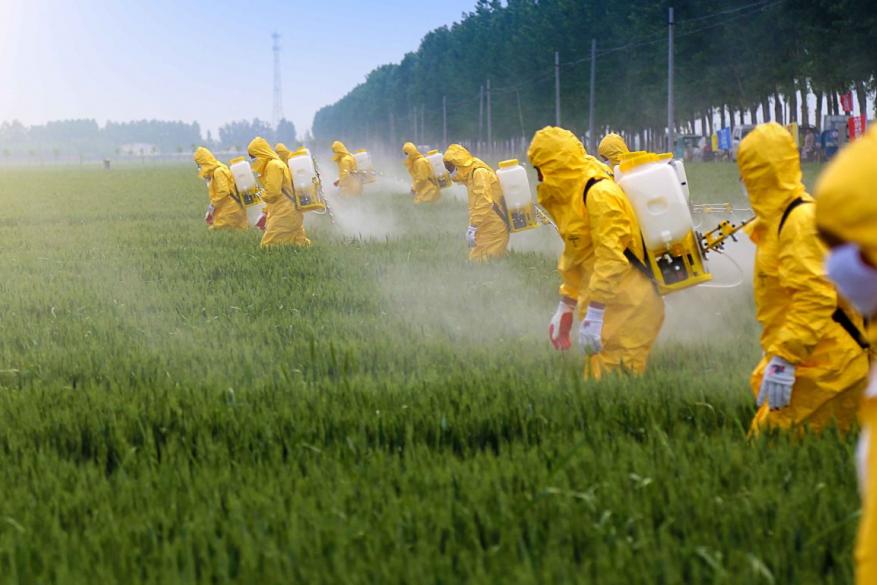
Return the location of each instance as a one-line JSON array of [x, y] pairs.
[[348, 181], [846, 209], [794, 301], [283, 152], [228, 212], [596, 233], [488, 233], [611, 148], [425, 186], [284, 224]]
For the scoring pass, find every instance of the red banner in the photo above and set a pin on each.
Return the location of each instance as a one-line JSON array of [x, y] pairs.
[[856, 126], [846, 102]]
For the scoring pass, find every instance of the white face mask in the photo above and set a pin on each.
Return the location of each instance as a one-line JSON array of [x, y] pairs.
[[855, 280]]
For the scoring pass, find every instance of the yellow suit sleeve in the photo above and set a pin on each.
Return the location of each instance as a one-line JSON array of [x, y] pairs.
[[611, 230], [480, 201], [221, 188], [345, 167], [273, 182], [571, 272], [813, 298]]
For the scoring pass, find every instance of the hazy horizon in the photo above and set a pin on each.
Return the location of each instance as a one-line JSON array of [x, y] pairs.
[[202, 62]]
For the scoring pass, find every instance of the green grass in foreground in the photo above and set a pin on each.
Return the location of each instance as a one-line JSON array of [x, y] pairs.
[[179, 407]]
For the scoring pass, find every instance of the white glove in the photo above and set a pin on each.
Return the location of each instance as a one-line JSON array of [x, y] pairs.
[[591, 330], [470, 235], [777, 384], [560, 325]]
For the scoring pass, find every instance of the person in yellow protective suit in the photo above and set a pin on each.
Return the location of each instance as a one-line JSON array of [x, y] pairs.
[[488, 233], [813, 371], [603, 261], [425, 187], [226, 211], [284, 224], [348, 180], [846, 217], [283, 152], [611, 148]]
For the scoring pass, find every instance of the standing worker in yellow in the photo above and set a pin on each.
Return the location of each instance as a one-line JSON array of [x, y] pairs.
[[846, 216], [603, 261], [284, 224], [611, 149], [814, 367], [488, 233], [225, 211], [425, 187], [348, 180]]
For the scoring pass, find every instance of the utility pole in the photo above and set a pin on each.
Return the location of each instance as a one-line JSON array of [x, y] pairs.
[[444, 121], [592, 139], [489, 118], [520, 115], [414, 117], [277, 112], [480, 114], [670, 114], [557, 88], [422, 124]]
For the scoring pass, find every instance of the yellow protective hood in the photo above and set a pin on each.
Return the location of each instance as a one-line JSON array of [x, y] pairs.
[[283, 152], [466, 164], [846, 195], [611, 148], [564, 164], [771, 170], [412, 153], [261, 151], [205, 159], [339, 151]]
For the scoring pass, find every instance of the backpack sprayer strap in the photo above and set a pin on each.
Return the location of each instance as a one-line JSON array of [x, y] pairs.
[[839, 316], [632, 258]]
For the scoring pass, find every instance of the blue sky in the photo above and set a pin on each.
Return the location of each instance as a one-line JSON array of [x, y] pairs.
[[202, 61]]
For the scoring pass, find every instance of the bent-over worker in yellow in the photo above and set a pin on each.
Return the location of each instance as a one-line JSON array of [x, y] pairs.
[[813, 371], [284, 224], [487, 234], [348, 181], [424, 185], [225, 207], [623, 312]]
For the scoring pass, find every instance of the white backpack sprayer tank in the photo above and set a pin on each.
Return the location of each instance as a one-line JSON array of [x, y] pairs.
[[248, 188], [654, 187], [365, 167], [515, 185], [306, 183], [438, 168]]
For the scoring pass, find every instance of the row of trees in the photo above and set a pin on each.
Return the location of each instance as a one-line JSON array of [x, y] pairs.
[[88, 138], [735, 60]]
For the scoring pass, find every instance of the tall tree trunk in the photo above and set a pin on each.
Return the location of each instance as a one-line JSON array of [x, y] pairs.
[[765, 109], [835, 99], [862, 97], [793, 104], [709, 120], [819, 99], [753, 114], [805, 103], [778, 108], [722, 117]]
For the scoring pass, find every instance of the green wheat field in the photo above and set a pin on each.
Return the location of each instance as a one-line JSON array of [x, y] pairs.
[[177, 406]]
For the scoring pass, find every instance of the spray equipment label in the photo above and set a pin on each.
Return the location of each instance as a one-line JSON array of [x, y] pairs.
[[306, 184], [442, 176], [515, 185]]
